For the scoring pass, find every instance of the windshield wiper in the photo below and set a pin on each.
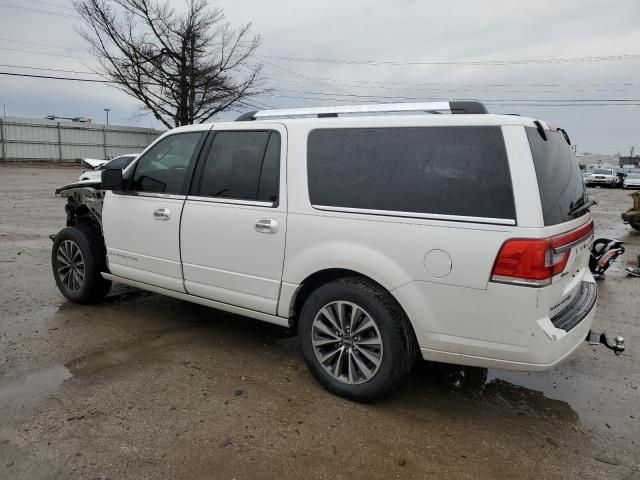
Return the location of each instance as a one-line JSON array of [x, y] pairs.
[[578, 209]]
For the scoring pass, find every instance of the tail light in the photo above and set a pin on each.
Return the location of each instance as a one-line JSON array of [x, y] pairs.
[[534, 262]]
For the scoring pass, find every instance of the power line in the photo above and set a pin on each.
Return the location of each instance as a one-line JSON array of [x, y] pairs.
[[49, 77], [554, 84], [310, 79], [43, 53], [57, 5], [590, 103], [395, 63], [496, 102], [549, 102], [37, 10], [402, 97], [86, 72], [48, 45]]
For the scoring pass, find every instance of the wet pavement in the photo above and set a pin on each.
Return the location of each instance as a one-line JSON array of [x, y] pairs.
[[145, 386]]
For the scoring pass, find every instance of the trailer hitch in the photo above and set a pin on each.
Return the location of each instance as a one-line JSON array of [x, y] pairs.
[[595, 338]]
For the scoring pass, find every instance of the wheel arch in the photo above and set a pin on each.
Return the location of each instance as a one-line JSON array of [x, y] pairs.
[[326, 275]]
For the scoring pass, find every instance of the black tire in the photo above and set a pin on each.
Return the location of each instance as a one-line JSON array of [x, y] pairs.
[[87, 286], [399, 346]]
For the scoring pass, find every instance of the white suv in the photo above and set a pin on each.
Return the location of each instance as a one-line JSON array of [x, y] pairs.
[[602, 176], [377, 231]]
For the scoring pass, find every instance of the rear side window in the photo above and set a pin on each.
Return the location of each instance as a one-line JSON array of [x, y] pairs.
[[559, 178], [243, 165], [433, 170]]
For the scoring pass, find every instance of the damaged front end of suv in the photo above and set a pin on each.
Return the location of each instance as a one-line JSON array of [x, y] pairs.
[[78, 255], [84, 203]]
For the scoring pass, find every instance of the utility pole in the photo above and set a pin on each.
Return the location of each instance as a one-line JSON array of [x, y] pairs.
[[107, 110], [633, 149]]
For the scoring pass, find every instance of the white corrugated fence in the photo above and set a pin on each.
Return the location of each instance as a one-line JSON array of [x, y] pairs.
[[61, 140]]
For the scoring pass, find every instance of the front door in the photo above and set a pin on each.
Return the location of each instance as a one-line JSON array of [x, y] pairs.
[[142, 225], [234, 220]]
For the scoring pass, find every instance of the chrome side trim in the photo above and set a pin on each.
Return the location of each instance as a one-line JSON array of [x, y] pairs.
[[425, 216], [157, 195], [265, 317], [230, 201]]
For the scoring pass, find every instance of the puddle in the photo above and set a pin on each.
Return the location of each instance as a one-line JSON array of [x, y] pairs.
[[95, 362], [591, 401], [35, 385], [594, 401], [38, 384]]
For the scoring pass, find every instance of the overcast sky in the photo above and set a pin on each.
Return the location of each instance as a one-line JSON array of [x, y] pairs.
[[450, 35]]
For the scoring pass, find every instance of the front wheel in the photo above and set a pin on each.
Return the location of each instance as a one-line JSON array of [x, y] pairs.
[[77, 258], [356, 340]]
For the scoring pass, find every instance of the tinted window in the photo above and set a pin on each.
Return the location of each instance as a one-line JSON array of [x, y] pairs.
[[440, 170], [270, 174], [603, 171], [121, 162], [559, 179], [163, 168], [242, 165]]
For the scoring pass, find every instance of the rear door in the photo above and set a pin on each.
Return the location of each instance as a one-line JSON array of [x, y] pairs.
[[234, 220], [141, 225]]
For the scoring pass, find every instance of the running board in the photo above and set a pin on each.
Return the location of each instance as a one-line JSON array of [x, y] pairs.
[[595, 338], [245, 312]]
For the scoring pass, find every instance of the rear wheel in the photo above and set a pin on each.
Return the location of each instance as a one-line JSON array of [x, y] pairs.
[[356, 341], [77, 258]]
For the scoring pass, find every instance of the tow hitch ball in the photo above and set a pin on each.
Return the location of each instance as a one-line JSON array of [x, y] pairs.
[[595, 338]]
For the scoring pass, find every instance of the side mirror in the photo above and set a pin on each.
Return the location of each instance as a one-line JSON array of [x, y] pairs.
[[112, 179]]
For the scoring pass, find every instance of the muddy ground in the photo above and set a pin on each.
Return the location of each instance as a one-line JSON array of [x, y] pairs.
[[145, 386]]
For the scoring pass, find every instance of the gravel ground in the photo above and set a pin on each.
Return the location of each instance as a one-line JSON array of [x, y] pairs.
[[144, 386]]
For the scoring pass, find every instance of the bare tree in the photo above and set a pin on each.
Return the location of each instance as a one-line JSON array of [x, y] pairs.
[[183, 66]]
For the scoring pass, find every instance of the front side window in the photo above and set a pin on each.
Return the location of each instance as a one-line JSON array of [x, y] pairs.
[[120, 162], [163, 168], [242, 165], [459, 171]]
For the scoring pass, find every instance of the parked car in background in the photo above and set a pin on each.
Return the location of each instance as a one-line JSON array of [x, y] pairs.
[[378, 236], [632, 181], [92, 163], [120, 162], [604, 177]]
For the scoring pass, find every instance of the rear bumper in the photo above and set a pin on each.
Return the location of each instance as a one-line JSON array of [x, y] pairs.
[[487, 331]]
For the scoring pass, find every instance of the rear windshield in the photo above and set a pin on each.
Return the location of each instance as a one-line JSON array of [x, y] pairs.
[[559, 179], [602, 171], [460, 171]]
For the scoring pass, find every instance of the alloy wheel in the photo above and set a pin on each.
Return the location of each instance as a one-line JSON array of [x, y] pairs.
[[70, 265], [347, 342]]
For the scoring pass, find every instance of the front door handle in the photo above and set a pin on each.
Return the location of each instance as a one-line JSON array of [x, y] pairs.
[[265, 225], [163, 214]]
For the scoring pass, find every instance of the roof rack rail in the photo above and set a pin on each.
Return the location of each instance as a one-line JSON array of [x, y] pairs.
[[453, 107]]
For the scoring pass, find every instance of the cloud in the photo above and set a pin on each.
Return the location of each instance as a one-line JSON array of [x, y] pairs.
[[404, 31]]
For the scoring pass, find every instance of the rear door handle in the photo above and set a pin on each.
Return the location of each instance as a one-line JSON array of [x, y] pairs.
[[265, 225], [163, 214]]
